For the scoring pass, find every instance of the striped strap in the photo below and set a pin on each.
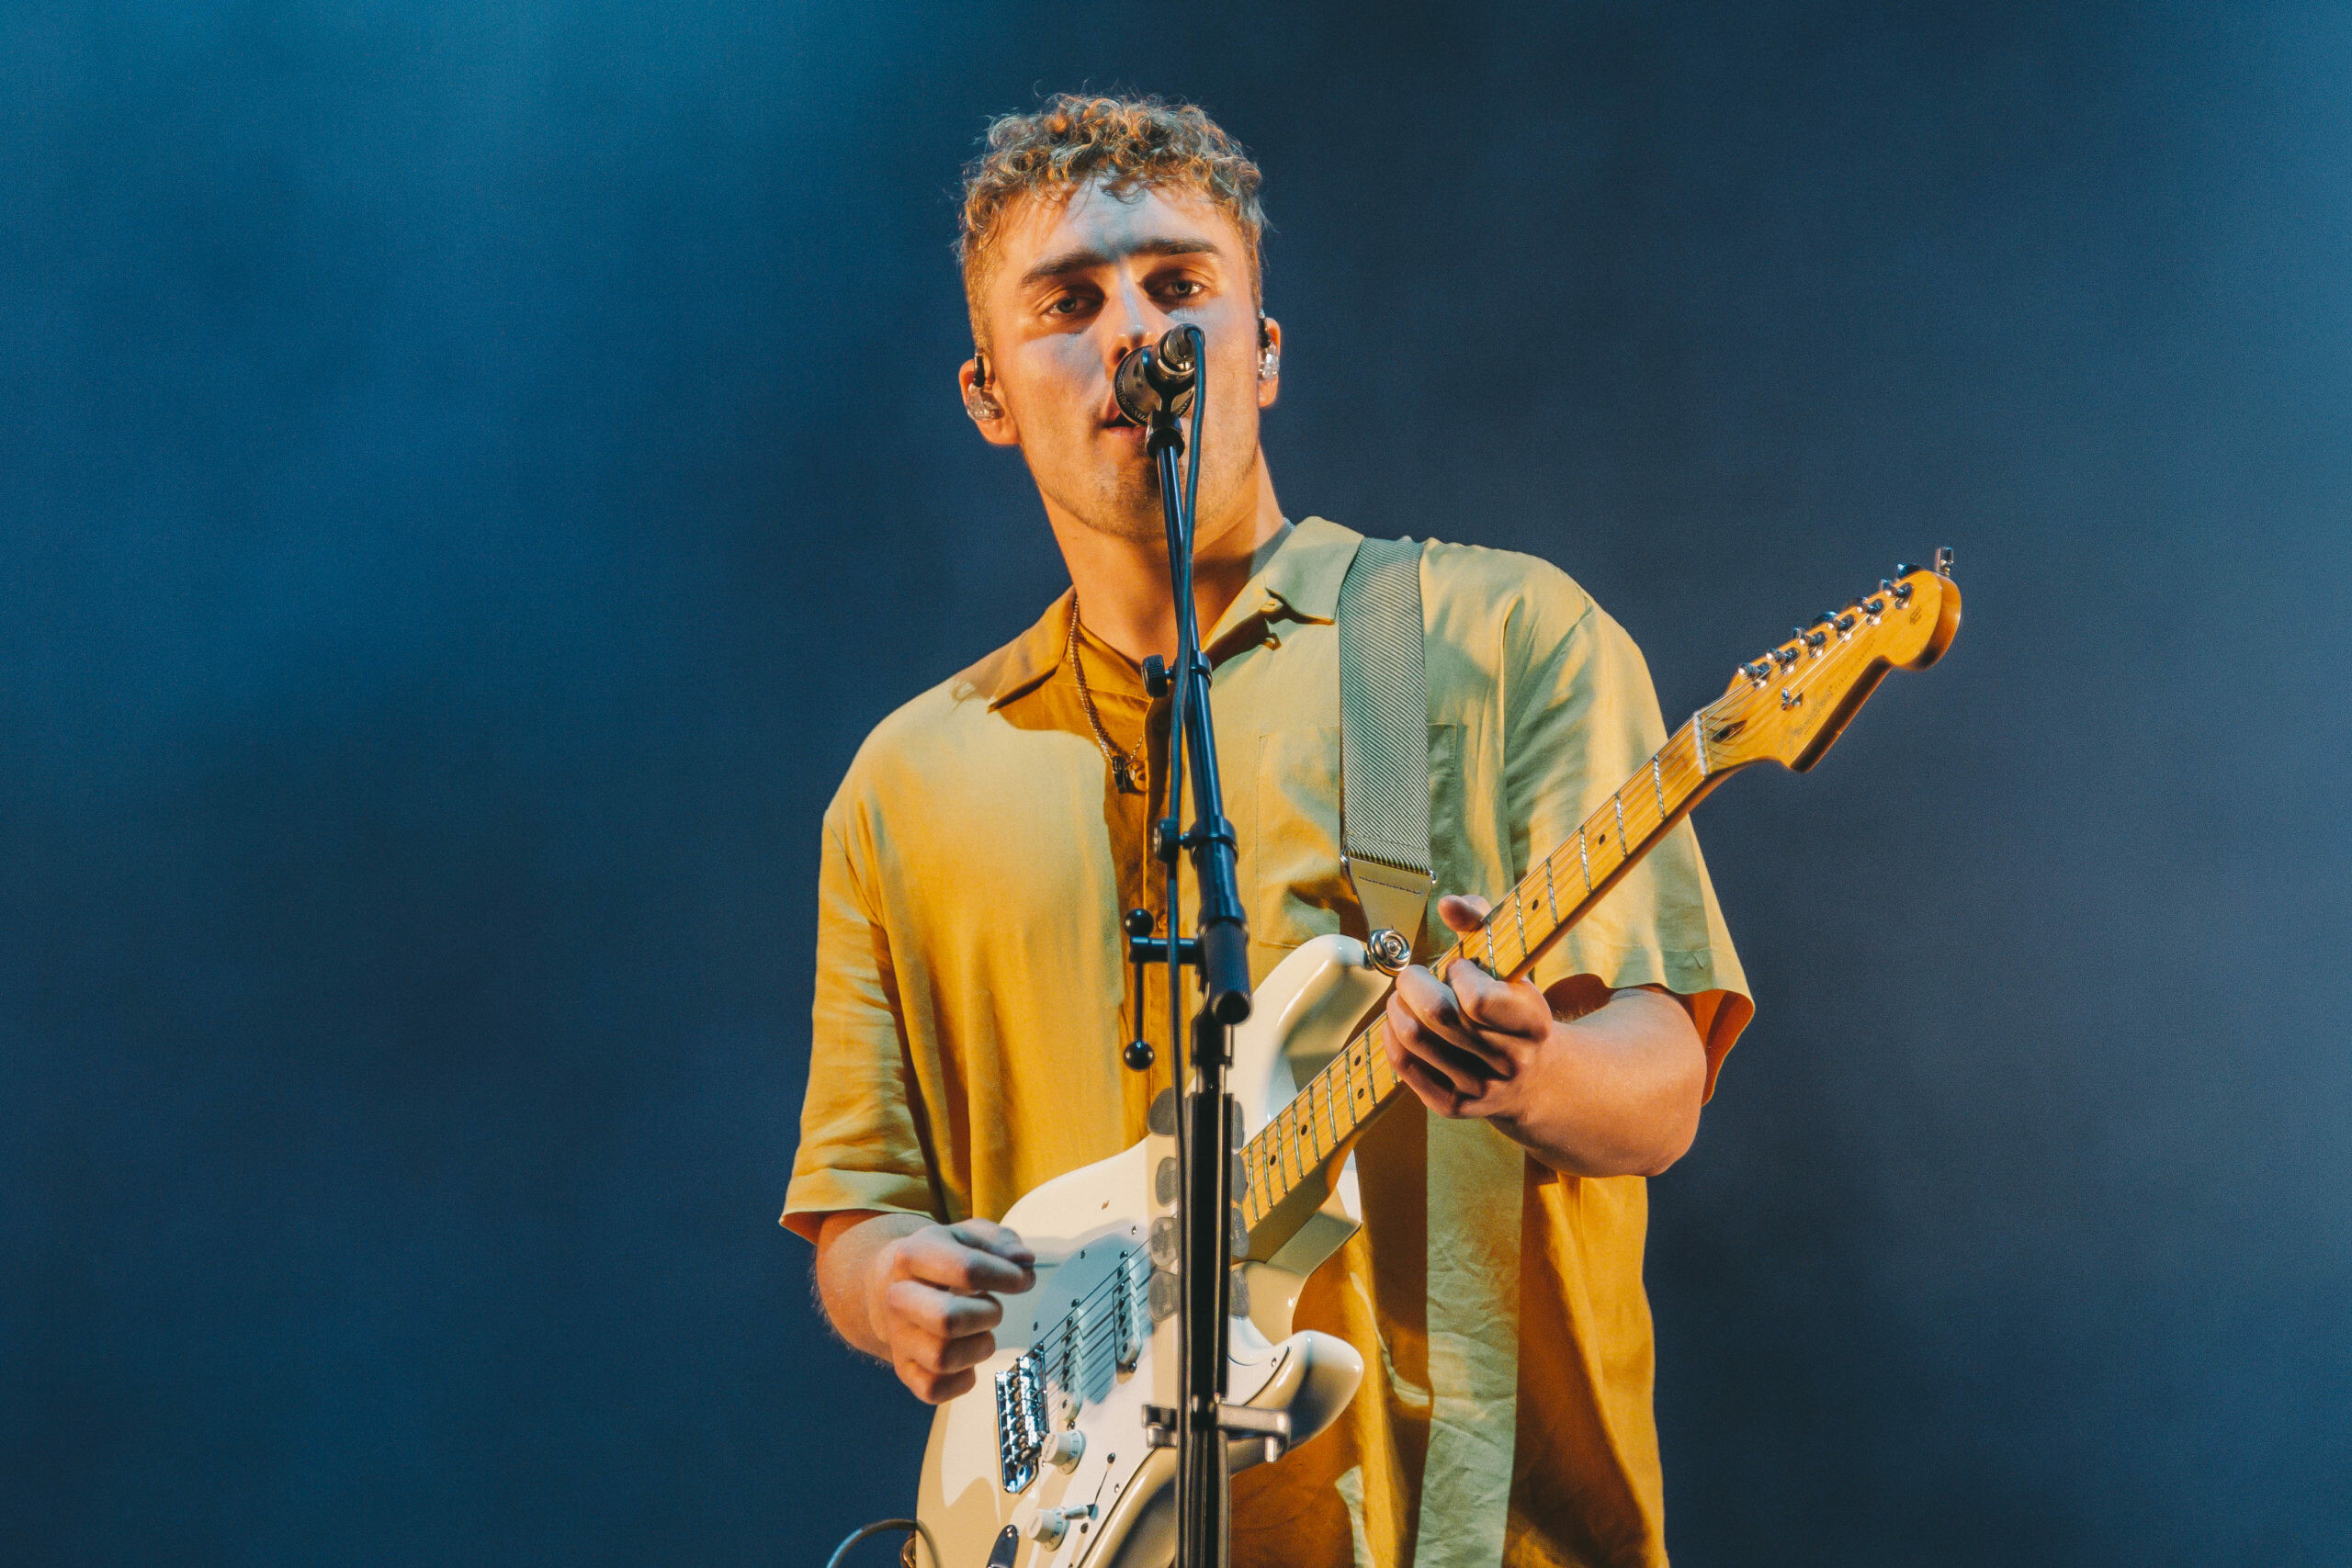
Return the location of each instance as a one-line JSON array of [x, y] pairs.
[[1383, 736]]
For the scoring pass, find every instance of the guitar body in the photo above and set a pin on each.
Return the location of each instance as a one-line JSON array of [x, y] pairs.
[[1094, 1342]]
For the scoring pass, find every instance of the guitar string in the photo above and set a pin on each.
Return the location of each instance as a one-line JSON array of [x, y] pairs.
[[1049, 1350]]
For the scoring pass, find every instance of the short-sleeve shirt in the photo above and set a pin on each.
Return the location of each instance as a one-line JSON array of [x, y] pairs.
[[972, 998]]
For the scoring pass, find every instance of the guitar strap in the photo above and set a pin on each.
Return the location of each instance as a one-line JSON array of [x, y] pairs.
[[1474, 1174], [1383, 739]]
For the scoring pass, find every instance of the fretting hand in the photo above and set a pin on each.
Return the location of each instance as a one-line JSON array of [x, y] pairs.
[[1614, 1091], [1466, 1045]]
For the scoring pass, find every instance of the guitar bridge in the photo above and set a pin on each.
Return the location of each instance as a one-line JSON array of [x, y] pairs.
[[1020, 1422]]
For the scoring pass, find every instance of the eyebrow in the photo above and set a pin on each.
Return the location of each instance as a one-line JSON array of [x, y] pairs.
[[1083, 260]]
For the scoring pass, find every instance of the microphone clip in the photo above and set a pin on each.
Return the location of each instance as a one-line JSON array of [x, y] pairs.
[[1157, 379]]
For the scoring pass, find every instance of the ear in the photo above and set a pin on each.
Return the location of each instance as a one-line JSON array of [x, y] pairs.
[[987, 410], [1269, 361]]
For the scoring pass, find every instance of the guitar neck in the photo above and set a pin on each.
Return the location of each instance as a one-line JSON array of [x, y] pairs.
[[1338, 1103]]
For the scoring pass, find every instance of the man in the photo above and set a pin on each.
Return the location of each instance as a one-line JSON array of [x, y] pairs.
[[972, 993]]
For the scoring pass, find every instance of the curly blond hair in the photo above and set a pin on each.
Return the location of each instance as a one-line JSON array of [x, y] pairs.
[[1072, 141]]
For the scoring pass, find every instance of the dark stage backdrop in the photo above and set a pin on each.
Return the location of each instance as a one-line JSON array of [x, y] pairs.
[[470, 474]]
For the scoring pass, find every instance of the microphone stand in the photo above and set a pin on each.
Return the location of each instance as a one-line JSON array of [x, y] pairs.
[[1221, 953]]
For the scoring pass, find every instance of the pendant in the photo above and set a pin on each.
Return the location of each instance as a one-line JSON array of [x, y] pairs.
[[1126, 774]]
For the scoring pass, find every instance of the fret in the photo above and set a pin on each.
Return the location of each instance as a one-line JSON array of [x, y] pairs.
[[1253, 1166], [1519, 913], [1331, 1104], [1618, 800], [1550, 894], [1322, 1150], [1699, 740], [1657, 781], [1584, 858], [1286, 1145]]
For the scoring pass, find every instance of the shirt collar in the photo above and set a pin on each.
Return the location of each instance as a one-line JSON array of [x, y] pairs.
[[1024, 664], [1303, 578]]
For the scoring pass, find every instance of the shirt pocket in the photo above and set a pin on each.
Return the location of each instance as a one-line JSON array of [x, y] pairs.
[[1298, 888]]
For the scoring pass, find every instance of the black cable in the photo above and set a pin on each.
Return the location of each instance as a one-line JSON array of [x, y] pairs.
[[866, 1532], [1180, 567]]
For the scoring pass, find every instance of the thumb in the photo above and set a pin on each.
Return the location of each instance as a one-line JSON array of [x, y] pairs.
[[1463, 912]]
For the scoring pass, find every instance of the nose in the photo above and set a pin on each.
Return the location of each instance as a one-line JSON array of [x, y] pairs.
[[1134, 321]]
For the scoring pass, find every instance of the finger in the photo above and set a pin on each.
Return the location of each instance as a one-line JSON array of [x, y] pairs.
[[1431, 1091], [1488, 1004], [990, 1237], [959, 1355], [935, 1256], [1429, 1001], [1463, 911], [918, 1348], [1466, 1073], [1437, 1011], [943, 1315], [934, 1388]]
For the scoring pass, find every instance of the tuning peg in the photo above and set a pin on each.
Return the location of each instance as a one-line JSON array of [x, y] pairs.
[[1811, 639], [1943, 560]]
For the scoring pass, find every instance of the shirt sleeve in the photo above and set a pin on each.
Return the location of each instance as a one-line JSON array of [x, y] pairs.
[[1580, 718], [860, 1148]]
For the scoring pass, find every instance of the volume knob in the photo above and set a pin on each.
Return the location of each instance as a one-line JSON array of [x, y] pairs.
[[1063, 1449]]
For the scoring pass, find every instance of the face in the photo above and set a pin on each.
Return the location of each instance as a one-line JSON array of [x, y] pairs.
[[1073, 287]]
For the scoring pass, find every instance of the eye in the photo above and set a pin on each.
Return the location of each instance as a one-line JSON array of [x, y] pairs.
[[1186, 287]]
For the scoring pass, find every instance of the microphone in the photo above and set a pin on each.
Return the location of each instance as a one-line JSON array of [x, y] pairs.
[[1154, 377]]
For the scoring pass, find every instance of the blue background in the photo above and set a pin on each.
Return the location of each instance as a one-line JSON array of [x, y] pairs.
[[469, 475]]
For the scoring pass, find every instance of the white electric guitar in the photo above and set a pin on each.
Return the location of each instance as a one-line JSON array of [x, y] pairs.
[[1056, 1456]]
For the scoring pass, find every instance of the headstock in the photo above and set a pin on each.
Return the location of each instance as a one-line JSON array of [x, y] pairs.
[[1788, 706]]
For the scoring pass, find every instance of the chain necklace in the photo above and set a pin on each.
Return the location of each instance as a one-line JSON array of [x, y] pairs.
[[1126, 769]]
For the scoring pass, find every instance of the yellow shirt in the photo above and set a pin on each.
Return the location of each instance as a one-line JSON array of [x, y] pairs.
[[972, 997]]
